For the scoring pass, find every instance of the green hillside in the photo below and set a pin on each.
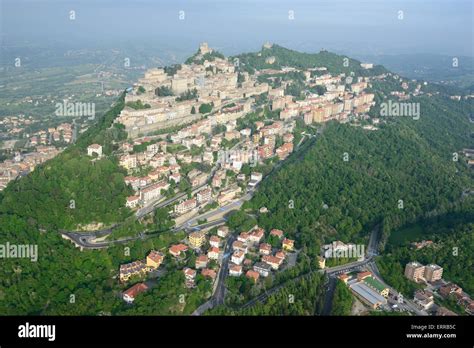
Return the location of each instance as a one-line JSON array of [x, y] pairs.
[[72, 189], [334, 63], [405, 160]]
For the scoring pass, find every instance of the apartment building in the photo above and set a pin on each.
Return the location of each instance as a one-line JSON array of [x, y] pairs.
[[414, 271]]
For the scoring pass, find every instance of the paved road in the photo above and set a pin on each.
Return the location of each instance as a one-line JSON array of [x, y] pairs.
[[85, 240], [327, 306], [218, 296], [332, 273]]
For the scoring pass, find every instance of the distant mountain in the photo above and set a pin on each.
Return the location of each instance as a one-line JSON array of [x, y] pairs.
[[453, 71]]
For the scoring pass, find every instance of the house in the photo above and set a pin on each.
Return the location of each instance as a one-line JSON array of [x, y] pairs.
[[362, 275], [262, 268], [189, 273], [185, 206], [199, 180], [201, 261], [344, 277], [153, 191], [215, 241], [209, 273], [424, 299], [130, 294], [239, 246], [235, 270], [273, 261], [277, 233], [223, 231], [288, 138], [243, 237], [256, 235], [136, 268], [132, 201], [449, 289], [154, 259], [280, 254], [204, 196], [213, 253], [176, 177], [177, 249], [252, 275], [237, 257], [255, 176], [288, 244], [228, 194], [284, 150], [197, 239], [265, 249], [133, 181], [94, 149], [128, 161]]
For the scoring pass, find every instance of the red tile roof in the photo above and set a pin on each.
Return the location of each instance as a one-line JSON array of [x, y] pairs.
[[253, 275], [136, 289]]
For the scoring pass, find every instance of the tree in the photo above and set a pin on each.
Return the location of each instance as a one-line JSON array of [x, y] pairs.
[[205, 108], [342, 300]]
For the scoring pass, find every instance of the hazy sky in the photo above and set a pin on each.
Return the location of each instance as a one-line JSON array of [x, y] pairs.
[[349, 26]]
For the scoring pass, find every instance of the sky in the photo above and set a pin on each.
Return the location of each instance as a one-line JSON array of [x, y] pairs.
[[365, 27]]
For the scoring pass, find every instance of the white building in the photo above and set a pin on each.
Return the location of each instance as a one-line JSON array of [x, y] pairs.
[[94, 149]]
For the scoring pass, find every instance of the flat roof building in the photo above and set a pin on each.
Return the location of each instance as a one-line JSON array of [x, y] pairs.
[[368, 295]]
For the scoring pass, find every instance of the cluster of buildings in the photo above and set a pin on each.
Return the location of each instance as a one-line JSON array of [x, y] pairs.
[[62, 133], [165, 167], [462, 298], [433, 274], [15, 125], [249, 247], [214, 82], [367, 288], [208, 250], [22, 164], [417, 272], [139, 268], [338, 103]]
